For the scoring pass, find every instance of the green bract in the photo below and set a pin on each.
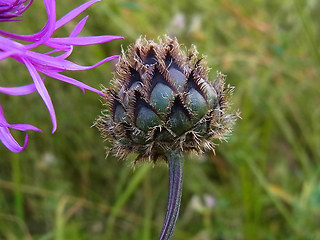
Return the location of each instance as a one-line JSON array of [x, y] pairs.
[[162, 100]]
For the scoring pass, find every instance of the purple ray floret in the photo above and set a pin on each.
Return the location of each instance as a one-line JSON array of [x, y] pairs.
[[46, 63], [7, 139], [10, 10]]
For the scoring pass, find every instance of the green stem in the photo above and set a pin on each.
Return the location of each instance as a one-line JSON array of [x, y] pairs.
[[175, 161]]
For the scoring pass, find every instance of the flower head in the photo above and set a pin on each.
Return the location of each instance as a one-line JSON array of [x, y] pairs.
[[162, 100], [162, 104], [53, 62], [11, 9]]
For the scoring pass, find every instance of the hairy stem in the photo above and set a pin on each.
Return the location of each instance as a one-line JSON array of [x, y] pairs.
[[175, 161]]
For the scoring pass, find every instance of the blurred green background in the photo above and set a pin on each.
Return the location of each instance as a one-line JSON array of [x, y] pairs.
[[262, 184]]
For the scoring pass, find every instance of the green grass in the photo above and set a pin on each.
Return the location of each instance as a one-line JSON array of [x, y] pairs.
[[265, 180]]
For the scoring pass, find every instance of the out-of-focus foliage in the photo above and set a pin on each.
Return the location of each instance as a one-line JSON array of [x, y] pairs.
[[262, 184]]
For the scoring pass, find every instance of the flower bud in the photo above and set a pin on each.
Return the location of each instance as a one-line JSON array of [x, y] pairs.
[[162, 100]]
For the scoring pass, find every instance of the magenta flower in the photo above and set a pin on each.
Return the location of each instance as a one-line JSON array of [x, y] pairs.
[[46, 63], [11, 9]]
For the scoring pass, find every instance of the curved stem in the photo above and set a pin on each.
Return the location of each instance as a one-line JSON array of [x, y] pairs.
[[175, 161]]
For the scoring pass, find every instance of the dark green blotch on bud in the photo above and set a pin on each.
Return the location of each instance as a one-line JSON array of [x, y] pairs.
[[146, 119], [119, 113], [179, 118], [177, 76], [145, 116], [197, 103], [161, 93]]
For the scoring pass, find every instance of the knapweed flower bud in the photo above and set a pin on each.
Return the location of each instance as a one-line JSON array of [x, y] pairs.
[[162, 100], [161, 105]]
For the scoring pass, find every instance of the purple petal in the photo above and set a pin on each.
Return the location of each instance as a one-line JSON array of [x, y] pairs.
[[32, 37], [81, 68], [56, 46], [45, 62], [7, 139], [15, 36], [47, 29], [12, 9], [72, 81], [51, 12], [78, 28], [66, 53], [84, 40], [21, 127], [4, 55], [59, 50], [21, 90], [74, 13], [99, 63], [10, 45], [42, 92]]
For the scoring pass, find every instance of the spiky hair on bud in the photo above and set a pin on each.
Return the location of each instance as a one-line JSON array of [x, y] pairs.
[[161, 100]]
